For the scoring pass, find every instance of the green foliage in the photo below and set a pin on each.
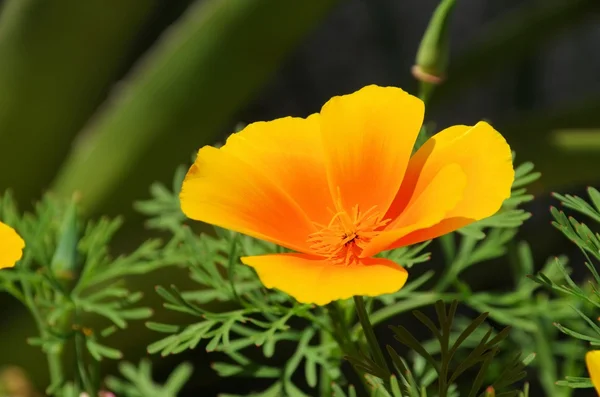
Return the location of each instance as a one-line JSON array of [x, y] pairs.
[[138, 381], [585, 296], [482, 355], [428, 370], [68, 280], [415, 381]]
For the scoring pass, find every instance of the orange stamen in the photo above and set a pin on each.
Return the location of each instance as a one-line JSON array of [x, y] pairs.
[[346, 235]]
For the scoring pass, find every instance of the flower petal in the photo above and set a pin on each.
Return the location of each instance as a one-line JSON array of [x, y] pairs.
[[368, 137], [311, 279], [11, 246], [290, 152], [592, 361], [484, 157], [267, 181], [425, 208]]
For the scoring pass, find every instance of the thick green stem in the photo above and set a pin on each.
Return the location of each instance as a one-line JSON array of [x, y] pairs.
[[425, 91], [55, 367], [363, 318], [324, 379]]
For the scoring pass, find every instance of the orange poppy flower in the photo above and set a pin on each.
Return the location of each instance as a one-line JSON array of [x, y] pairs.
[[592, 361], [340, 186], [11, 246]]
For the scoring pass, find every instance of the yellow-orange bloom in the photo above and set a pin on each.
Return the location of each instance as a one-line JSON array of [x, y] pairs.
[[11, 246], [592, 360], [340, 186]]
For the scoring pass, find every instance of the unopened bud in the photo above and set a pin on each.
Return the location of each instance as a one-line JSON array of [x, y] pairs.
[[65, 263], [434, 51]]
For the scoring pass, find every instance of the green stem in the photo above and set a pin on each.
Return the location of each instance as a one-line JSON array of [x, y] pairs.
[[55, 367], [448, 247], [324, 379], [425, 91], [54, 357], [363, 318], [84, 377], [454, 268], [344, 339]]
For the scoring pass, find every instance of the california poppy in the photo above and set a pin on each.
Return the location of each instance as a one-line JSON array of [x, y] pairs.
[[11, 246], [341, 186], [592, 361]]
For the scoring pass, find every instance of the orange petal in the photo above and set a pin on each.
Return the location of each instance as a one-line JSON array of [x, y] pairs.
[[368, 137], [290, 152], [11, 246], [485, 158], [311, 279], [592, 360], [425, 208], [267, 181]]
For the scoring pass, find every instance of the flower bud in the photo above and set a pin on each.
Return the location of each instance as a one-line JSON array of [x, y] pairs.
[[65, 262], [434, 50]]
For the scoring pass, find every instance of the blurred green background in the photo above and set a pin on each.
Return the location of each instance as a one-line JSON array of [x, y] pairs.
[[104, 97]]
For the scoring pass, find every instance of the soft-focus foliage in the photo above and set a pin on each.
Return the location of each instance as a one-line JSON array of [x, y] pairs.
[[66, 277], [587, 295]]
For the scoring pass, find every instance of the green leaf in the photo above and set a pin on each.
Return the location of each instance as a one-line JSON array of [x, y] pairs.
[[165, 328], [255, 371], [178, 378], [339, 392], [138, 380], [576, 382], [310, 371], [99, 351]]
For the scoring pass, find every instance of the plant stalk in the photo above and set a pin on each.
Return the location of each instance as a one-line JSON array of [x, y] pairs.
[[344, 339], [363, 318], [54, 357], [324, 379]]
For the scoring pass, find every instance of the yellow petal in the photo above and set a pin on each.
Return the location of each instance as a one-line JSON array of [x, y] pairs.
[[485, 158], [264, 182], [11, 246], [368, 137], [310, 279], [592, 360], [429, 204]]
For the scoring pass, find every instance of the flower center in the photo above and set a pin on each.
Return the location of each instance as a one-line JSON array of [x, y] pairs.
[[343, 240]]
